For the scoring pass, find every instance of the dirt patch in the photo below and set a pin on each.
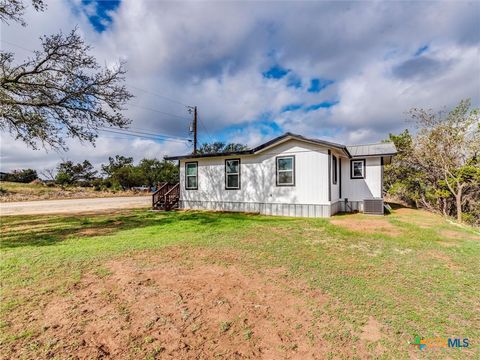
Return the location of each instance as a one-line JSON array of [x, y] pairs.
[[371, 331], [178, 304], [97, 231], [178, 309], [451, 234], [441, 257], [421, 218], [369, 225]]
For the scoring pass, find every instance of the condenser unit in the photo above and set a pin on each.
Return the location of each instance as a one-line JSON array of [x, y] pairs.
[[373, 206]]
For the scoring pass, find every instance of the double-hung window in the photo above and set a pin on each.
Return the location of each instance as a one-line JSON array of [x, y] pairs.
[[285, 170], [191, 175], [357, 169], [232, 174], [334, 169]]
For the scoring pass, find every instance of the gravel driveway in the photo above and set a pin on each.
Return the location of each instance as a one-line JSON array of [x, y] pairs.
[[73, 205]]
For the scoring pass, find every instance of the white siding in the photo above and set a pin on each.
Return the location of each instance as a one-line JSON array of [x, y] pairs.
[[367, 188], [258, 177]]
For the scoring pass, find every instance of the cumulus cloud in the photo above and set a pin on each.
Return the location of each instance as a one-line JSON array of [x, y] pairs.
[[361, 58]]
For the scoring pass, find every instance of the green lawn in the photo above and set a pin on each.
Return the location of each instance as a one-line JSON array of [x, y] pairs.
[[409, 273]]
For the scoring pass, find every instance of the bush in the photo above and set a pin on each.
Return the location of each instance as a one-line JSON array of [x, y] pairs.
[[22, 176]]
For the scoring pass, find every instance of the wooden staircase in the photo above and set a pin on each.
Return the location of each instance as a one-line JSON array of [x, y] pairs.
[[166, 197]]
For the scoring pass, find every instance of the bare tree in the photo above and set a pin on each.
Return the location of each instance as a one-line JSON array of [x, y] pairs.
[[61, 91], [13, 10], [48, 174], [447, 150]]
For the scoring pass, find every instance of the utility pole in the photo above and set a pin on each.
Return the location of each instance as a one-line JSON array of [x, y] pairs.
[[193, 127], [194, 130]]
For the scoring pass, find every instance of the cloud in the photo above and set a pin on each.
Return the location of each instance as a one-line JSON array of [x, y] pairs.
[[369, 62], [423, 67]]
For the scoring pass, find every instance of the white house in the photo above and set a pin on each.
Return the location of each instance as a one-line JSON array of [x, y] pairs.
[[290, 175]]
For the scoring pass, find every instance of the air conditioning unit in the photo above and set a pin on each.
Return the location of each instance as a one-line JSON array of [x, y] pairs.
[[373, 206]]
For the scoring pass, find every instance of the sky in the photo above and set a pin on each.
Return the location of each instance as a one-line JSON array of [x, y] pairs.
[[341, 71]]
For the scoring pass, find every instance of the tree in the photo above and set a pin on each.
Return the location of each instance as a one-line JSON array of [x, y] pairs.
[[22, 176], [169, 172], [61, 91], [150, 170], [69, 173], [48, 174], [446, 144], [154, 171], [13, 10], [121, 171], [116, 163], [439, 167], [127, 177], [220, 147]]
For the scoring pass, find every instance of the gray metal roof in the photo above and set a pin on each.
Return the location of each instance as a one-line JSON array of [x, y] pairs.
[[350, 151], [372, 149]]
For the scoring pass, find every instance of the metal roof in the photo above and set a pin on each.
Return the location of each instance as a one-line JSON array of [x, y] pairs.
[[372, 149], [359, 151]]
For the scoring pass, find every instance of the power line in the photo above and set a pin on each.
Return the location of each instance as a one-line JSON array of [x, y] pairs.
[[206, 131], [134, 105], [156, 94], [133, 132], [143, 136], [150, 131], [159, 111], [16, 45], [146, 132]]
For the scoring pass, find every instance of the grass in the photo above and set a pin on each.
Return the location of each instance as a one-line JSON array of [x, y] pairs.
[[421, 279]]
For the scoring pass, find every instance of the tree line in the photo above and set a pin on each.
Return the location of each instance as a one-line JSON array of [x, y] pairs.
[[438, 166], [119, 172]]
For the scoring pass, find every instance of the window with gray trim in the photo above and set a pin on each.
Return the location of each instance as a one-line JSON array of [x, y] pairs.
[[357, 169], [191, 175], [232, 174], [285, 167]]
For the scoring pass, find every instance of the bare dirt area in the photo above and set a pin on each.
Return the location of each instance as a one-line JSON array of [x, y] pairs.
[[178, 305], [367, 224], [73, 205]]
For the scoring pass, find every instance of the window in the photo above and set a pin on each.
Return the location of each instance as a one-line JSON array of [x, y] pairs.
[[191, 175], [334, 169], [286, 171], [232, 174], [357, 170]]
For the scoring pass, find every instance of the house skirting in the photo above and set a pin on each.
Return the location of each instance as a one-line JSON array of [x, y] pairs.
[[295, 210]]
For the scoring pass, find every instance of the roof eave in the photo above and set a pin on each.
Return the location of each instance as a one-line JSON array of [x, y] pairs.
[[285, 137], [196, 156], [373, 155]]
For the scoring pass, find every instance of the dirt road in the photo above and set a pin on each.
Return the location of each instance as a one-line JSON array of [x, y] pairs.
[[73, 205]]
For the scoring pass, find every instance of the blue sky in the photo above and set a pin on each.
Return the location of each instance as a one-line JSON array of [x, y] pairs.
[[342, 71], [100, 17]]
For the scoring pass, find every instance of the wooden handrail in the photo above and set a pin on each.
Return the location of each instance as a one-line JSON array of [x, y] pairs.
[[159, 194], [172, 196]]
